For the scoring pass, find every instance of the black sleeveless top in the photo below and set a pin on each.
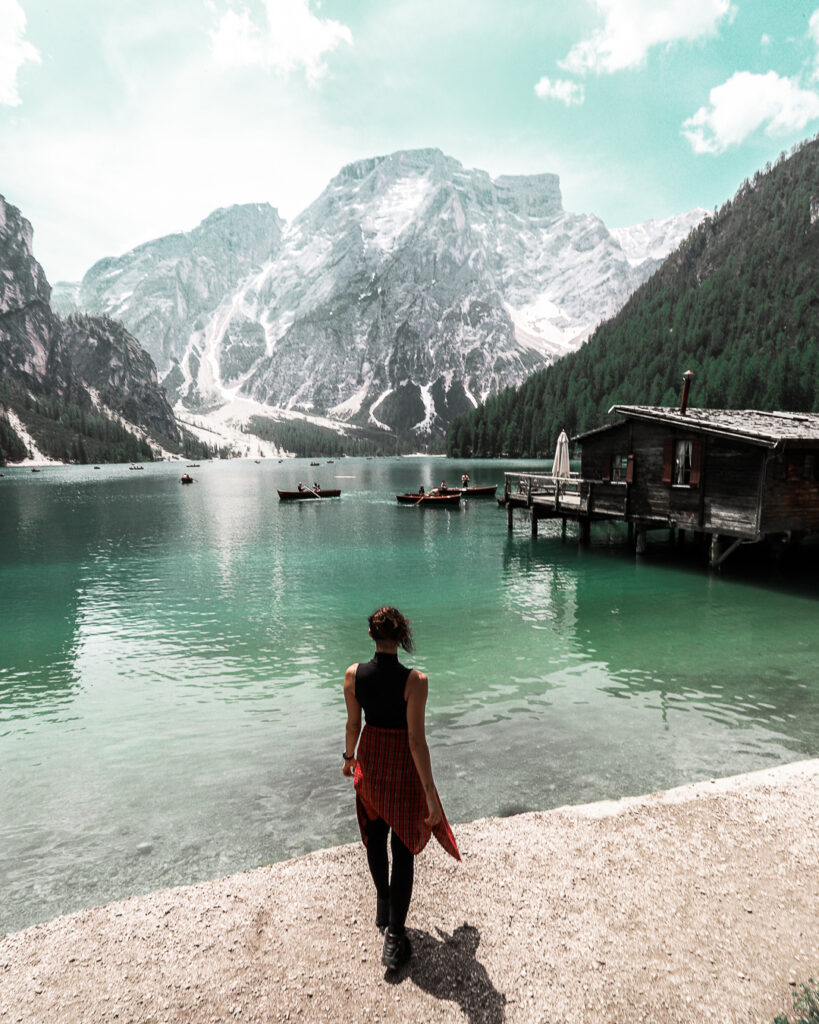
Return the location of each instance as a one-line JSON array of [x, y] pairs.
[[379, 689]]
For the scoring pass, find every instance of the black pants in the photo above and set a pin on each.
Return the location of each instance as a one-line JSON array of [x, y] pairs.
[[397, 888]]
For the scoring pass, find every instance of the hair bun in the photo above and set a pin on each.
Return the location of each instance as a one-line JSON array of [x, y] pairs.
[[387, 623]]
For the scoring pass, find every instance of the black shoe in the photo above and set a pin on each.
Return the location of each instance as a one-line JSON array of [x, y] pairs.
[[382, 914], [396, 952]]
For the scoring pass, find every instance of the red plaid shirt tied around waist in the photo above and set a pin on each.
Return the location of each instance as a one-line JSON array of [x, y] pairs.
[[387, 786]]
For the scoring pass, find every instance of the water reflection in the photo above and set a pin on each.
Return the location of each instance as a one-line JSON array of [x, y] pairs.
[[714, 665], [39, 613], [544, 591]]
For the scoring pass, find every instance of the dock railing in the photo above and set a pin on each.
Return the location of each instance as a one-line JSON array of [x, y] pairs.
[[574, 496]]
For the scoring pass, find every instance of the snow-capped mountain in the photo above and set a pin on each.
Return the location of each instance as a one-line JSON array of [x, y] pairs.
[[651, 241], [164, 289], [408, 291]]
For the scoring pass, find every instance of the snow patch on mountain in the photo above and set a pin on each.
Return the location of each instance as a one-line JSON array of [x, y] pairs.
[[655, 239], [396, 211], [544, 327]]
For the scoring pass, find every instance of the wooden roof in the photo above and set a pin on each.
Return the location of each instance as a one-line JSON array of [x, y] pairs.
[[767, 429]]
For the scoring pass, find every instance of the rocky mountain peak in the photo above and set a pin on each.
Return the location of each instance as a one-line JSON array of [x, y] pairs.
[[163, 288], [530, 195], [396, 165]]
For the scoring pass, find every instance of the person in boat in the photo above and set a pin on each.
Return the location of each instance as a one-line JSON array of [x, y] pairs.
[[392, 772], [421, 490], [316, 488], [300, 487], [465, 480], [442, 489]]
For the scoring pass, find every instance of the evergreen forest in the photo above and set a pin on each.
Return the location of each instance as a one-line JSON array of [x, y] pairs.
[[71, 433], [304, 439], [737, 303]]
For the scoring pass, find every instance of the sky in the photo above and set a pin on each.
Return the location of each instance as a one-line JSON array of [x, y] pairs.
[[125, 120]]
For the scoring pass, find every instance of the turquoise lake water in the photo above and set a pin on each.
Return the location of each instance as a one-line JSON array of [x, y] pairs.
[[171, 661]]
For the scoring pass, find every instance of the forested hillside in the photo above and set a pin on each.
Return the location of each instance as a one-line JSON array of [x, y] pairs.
[[737, 303]]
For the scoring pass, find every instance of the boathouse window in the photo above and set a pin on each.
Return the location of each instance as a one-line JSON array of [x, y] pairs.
[[618, 469], [682, 462], [683, 451], [620, 465]]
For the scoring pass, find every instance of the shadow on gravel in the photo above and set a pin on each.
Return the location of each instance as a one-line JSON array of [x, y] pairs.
[[447, 968]]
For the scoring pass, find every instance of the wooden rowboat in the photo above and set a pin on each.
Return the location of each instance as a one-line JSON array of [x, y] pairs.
[[441, 500], [479, 492], [306, 493]]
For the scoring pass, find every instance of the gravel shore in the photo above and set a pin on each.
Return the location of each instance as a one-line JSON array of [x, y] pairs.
[[698, 904]]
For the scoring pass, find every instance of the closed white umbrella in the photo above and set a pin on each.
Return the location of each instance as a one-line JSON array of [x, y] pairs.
[[560, 467]]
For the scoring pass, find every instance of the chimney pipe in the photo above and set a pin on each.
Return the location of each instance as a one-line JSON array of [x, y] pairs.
[[688, 376]]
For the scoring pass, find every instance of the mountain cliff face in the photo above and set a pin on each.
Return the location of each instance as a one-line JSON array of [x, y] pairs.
[[166, 289], [87, 362], [27, 325], [406, 293]]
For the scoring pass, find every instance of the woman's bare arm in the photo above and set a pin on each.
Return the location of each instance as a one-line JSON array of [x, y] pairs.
[[416, 694], [353, 729]]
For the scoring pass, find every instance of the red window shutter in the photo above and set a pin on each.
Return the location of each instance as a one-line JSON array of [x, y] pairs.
[[607, 468], [668, 459], [630, 470], [696, 464]]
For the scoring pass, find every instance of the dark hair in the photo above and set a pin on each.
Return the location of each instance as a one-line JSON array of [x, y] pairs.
[[387, 623]]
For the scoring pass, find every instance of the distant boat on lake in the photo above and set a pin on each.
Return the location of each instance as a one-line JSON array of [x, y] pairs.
[[307, 493]]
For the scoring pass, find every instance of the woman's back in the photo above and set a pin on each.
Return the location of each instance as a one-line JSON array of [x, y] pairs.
[[379, 689]]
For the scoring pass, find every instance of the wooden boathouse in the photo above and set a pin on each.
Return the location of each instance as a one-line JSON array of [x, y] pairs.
[[736, 477]]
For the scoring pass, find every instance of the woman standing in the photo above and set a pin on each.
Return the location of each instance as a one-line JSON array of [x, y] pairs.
[[392, 774]]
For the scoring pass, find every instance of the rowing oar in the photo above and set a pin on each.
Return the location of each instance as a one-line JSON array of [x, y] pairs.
[[417, 503]]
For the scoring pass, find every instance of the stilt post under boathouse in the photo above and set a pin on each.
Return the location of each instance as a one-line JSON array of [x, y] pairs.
[[726, 477]]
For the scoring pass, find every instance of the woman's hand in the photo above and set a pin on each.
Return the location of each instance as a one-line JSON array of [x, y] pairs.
[[349, 768], [435, 811]]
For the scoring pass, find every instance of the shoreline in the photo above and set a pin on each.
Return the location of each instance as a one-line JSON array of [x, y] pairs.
[[696, 903]]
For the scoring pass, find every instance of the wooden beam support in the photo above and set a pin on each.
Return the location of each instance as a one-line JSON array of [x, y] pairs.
[[718, 556]]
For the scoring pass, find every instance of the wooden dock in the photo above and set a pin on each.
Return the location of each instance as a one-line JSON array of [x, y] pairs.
[[575, 499]]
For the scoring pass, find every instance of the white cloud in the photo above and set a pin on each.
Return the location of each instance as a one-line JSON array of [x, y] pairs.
[[743, 104], [14, 50], [292, 38], [765, 41], [561, 89], [633, 27]]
